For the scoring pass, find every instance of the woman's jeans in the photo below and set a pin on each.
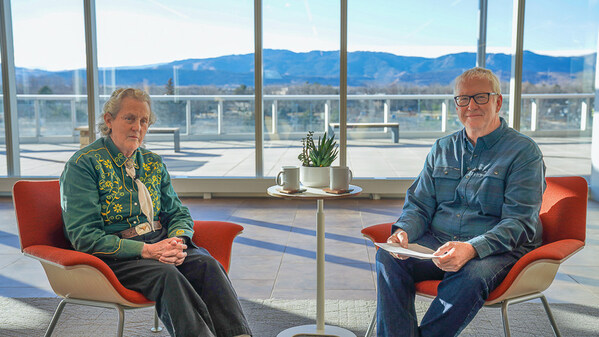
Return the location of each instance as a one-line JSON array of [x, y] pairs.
[[193, 299], [460, 296]]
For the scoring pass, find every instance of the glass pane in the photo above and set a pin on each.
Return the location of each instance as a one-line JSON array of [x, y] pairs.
[[196, 60], [301, 76], [499, 46], [559, 82], [403, 58], [3, 168], [49, 46]]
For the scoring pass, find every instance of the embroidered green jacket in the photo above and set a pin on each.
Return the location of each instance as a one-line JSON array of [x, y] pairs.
[[99, 199]]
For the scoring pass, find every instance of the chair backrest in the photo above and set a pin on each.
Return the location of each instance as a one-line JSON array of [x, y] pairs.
[[217, 237], [39, 218], [563, 212], [564, 209], [39, 215]]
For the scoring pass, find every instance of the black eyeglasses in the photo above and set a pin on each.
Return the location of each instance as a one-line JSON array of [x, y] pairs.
[[482, 98]]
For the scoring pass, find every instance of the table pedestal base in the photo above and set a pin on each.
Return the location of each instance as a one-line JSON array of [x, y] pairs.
[[310, 331]]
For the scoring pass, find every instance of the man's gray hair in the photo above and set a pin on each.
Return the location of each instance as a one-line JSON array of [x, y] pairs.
[[113, 105], [478, 72]]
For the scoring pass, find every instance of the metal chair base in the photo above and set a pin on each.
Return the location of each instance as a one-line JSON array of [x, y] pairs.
[[504, 314], [371, 326], [120, 309], [156, 327]]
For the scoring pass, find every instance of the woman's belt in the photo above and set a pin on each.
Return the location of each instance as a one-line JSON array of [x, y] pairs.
[[141, 229]]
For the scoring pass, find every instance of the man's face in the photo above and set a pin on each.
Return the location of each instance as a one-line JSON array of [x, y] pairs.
[[479, 119]]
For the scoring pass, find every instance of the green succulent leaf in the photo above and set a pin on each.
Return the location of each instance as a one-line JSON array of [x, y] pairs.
[[321, 153]]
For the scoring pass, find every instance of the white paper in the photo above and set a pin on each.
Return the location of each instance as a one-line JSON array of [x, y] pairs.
[[396, 248]]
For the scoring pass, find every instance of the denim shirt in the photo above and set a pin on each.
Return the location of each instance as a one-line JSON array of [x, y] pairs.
[[488, 195]]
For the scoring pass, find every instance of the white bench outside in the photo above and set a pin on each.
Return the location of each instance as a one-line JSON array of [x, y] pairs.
[[174, 131], [84, 135], [393, 126]]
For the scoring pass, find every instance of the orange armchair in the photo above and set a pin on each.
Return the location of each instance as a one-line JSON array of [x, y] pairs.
[[563, 216], [82, 278]]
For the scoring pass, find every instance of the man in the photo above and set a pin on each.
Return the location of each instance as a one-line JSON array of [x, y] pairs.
[[476, 203]]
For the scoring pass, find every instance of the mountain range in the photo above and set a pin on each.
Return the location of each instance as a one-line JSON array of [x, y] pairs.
[[364, 69]]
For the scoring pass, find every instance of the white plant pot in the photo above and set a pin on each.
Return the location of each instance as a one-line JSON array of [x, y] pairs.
[[314, 176]]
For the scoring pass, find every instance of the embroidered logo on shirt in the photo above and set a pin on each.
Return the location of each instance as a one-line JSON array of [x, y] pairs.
[[179, 232]]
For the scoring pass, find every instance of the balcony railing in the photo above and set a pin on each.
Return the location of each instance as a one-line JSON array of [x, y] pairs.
[[216, 116]]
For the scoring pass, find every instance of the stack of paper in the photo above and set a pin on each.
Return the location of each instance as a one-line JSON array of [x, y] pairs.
[[397, 249]]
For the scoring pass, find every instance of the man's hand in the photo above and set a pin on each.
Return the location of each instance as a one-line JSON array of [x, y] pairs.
[[400, 237], [453, 255], [170, 251]]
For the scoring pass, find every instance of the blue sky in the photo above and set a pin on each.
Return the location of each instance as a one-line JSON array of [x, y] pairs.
[[49, 34]]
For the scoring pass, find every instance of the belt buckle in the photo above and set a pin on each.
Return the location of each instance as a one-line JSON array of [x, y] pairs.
[[143, 228]]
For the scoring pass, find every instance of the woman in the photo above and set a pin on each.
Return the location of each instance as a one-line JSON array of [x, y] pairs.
[[119, 205]]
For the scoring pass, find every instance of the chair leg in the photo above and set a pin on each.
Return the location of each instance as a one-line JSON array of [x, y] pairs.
[[157, 327], [550, 316], [120, 326], [54, 320], [371, 326], [504, 318]]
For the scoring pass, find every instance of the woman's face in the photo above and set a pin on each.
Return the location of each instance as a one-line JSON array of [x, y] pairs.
[[130, 125]]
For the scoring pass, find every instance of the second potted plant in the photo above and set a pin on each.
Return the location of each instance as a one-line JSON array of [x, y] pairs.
[[316, 157]]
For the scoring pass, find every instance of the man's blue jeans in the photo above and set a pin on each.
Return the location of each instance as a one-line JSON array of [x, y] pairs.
[[461, 294]]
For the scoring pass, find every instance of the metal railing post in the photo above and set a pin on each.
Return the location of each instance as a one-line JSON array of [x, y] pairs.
[[219, 120], [74, 115], [36, 115], [584, 107], [386, 107], [275, 117], [534, 111], [188, 117], [327, 114], [444, 106]]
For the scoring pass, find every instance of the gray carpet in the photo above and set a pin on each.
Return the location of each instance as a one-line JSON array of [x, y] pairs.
[[30, 317]]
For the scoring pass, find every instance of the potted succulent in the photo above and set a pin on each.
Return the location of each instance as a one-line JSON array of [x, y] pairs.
[[316, 157]]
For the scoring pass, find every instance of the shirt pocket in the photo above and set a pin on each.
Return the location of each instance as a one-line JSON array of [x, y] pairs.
[[491, 191], [446, 181]]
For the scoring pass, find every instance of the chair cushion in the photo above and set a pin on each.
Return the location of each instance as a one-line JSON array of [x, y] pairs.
[[71, 258]]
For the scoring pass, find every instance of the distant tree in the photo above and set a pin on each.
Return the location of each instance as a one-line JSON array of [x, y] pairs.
[[169, 87], [240, 90], [45, 90]]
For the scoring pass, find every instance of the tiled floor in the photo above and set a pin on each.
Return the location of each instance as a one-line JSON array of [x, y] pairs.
[[275, 256]]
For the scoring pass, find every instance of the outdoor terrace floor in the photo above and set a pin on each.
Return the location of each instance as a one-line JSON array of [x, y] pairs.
[[366, 158]]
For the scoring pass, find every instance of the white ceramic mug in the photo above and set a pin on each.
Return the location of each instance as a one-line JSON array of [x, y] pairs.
[[289, 178], [340, 177]]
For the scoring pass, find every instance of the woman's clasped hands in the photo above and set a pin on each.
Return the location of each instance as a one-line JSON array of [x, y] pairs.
[[170, 251]]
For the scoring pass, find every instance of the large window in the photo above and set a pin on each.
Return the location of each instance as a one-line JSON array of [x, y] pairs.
[[3, 168], [498, 47], [196, 60], [402, 59], [49, 48], [558, 78], [301, 76]]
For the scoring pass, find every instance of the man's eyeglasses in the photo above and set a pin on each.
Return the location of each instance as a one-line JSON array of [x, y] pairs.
[[482, 98]]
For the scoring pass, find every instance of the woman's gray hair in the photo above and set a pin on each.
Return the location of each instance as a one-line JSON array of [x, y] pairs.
[[478, 72], [113, 105]]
